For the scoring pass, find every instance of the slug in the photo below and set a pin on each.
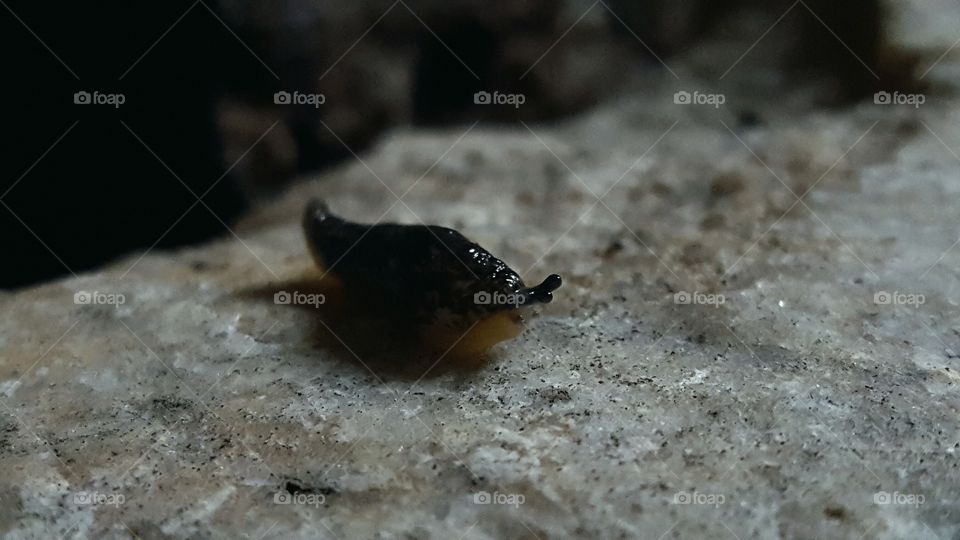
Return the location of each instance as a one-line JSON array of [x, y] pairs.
[[458, 294]]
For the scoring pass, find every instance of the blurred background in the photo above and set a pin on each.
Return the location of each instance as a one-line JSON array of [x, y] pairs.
[[158, 125]]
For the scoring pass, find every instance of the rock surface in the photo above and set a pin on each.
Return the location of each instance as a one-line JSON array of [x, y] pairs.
[[722, 360]]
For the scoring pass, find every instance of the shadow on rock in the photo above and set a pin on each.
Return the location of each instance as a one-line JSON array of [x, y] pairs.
[[359, 330]]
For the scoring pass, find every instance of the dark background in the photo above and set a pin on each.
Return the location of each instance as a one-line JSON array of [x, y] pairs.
[[199, 139]]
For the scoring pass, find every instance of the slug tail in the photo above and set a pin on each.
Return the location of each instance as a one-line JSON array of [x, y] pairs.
[[316, 222], [316, 211]]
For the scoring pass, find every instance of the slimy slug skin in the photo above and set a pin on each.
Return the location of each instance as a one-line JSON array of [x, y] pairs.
[[458, 294]]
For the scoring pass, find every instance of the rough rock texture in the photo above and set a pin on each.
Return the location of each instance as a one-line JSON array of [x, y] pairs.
[[757, 336], [798, 406]]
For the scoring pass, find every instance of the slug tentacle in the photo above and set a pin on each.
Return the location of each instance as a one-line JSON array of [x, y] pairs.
[[433, 275], [543, 293]]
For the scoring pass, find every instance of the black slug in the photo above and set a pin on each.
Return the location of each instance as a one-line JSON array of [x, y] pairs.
[[434, 277]]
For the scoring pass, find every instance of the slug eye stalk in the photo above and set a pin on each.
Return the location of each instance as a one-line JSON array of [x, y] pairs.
[[542, 293]]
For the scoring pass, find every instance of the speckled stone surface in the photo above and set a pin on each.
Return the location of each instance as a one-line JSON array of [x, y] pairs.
[[721, 361]]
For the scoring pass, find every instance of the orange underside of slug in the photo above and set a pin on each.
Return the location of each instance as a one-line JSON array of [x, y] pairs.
[[478, 339]]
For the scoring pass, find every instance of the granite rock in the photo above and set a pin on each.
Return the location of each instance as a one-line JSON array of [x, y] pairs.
[[755, 337]]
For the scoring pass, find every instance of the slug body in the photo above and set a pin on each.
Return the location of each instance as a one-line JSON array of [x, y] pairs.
[[433, 276]]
